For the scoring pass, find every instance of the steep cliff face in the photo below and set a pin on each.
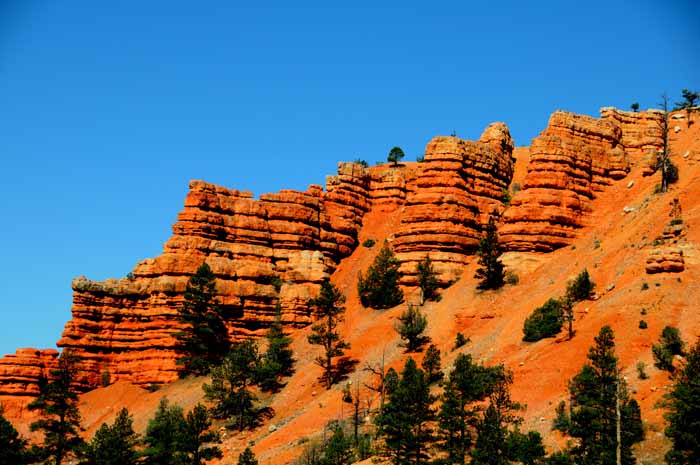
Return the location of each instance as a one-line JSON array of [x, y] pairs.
[[460, 185], [573, 158], [278, 248], [19, 377]]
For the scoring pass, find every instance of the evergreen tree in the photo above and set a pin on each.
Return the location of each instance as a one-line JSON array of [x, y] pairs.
[[203, 342], [580, 288], [412, 323], [115, 444], [525, 448], [467, 384], [165, 435], [278, 359], [595, 393], [379, 287], [247, 457], [60, 418], [427, 279], [669, 171], [683, 403], [329, 309], [395, 155], [491, 271], [490, 448], [13, 448], [197, 444], [431, 364], [404, 424], [635, 107], [230, 385], [338, 449]]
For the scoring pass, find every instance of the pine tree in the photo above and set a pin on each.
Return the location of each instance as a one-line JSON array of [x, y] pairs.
[[490, 448], [328, 308], [13, 448], [338, 449], [395, 155], [427, 279], [230, 385], [278, 359], [412, 323], [203, 342], [379, 287], [669, 171], [247, 457], [525, 448], [165, 435], [60, 418], [491, 271], [580, 288], [431, 364], [199, 443], [404, 424], [683, 403], [115, 444], [467, 385], [593, 415]]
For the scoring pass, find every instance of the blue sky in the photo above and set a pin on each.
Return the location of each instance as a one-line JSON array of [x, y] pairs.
[[108, 109]]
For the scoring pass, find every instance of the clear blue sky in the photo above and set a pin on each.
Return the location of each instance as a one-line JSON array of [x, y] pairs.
[[108, 109]]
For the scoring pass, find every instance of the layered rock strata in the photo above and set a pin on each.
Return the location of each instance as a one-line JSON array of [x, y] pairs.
[[19, 378], [460, 185], [278, 248], [574, 157], [665, 260]]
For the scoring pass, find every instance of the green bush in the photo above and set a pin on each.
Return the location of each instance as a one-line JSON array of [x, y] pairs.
[[669, 345], [460, 340], [580, 288], [642, 324], [544, 322], [368, 243]]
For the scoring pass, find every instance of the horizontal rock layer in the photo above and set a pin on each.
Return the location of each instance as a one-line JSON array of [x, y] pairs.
[[460, 185], [574, 157], [278, 248], [665, 260]]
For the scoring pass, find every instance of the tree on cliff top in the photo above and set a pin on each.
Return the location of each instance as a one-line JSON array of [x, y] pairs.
[[669, 171], [328, 308], [60, 418], [491, 271], [395, 155], [203, 342]]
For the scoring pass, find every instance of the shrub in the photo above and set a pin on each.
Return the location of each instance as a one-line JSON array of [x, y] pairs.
[[669, 345], [544, 322], [368, 243], [642, 324], [580, 288], [645, 286], [512, 278], [460, 340], [361, 162], [641, 370], [505, 197], [427, 279]]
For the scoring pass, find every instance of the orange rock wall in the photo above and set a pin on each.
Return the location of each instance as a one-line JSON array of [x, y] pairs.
[[460, 185], [19, 376], [571, 160]]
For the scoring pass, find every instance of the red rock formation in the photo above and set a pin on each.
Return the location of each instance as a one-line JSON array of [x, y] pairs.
[[19, 376], [460, 184], [666, 260], [278, 248], [572, 159]]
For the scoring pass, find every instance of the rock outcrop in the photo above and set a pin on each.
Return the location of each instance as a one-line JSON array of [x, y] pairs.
[[460, 185], [278, 248], [19, 377], [665, 260], [574, 157]]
